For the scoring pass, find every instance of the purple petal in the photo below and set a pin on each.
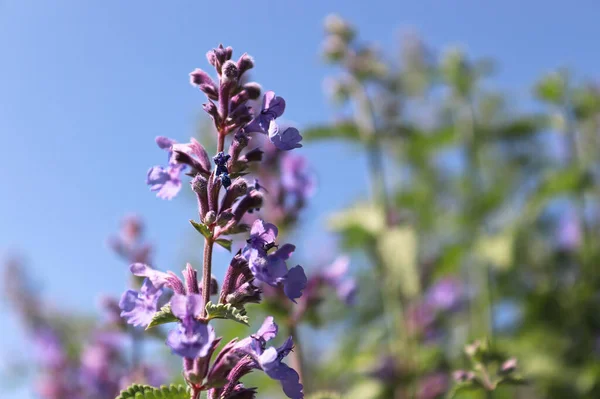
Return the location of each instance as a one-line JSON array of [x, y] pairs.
[[191, 341], [157, 278], [284, 139], [187, 306], [286, 348], [288, 377], [267, 232], [285, 251], [268, 330], [273, 104], [164, 143], [346, 291], [139, 307], [294, 283]]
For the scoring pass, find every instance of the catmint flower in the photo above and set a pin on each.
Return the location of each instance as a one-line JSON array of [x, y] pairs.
[[128, 244], [272, 108], [192, 154], [192, 338], [270, 359], [445, 295], [284, 139], [138, 307], [271, 268], [165, 181], [204, 82], [295, 177], [432, 386]]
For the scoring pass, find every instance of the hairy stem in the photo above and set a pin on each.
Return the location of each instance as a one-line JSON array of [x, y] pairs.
[[206, 273], [221, 142]]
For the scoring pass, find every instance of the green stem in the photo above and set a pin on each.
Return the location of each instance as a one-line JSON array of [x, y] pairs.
[[206, 273]]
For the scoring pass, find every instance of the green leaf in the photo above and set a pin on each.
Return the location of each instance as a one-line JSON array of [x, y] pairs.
[[148, 392], [226, 311], [551, 88], [224, 243], [201, 228], [344, 130], [163, 316]]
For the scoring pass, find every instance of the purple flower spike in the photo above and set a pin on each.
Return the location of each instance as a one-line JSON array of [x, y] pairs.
[[284, 139], [139, 307], [272, 108], [192, 338]]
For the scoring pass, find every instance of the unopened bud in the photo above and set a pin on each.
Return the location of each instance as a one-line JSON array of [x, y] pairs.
[[230, 71], [334, 48], [463, 376], [238, 188], [211, 109], [472, 349], [509, 366], [224, 217], [253, 89], [245, 63], [210, 217], [335, 25], [204, 82]]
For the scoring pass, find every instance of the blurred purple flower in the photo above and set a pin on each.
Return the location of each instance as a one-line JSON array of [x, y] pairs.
[[568, 234], [165, 181], [432, 386], [138, 307], [335, 277], [191, 338], [295, 177], [285, 139], [445, 295]]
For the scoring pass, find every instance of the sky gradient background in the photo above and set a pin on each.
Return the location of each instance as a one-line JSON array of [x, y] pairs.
[[87, 85]]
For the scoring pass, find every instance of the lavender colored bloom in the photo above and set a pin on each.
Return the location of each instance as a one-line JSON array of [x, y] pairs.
[[445, 295], [102, 365], [272, 108], [165, 181], [568, 234], [271, 268], [158, 278], [138, 307], [295, 177], [335, 275], [192, 338], [50, 350], [270, 359], [284, 139]]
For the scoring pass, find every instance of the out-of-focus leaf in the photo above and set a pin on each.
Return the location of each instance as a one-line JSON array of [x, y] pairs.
[[398, 249], [366, 389], [570, 180], [586, 102], [496, 249], [551, 88], [163, 316], [519, 128], [343, 130], [324, 395], [358, 225]]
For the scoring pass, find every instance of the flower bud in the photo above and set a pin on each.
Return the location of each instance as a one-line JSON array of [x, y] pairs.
[[253, 89], [252, 200], [191, 279], [463, 376], [200, 186], [509, 366], [245, 63], [335, 25], [245, 293], [230, 72], [210, 217], [211, 109], [238, 188], [334, 48], [203, 81]]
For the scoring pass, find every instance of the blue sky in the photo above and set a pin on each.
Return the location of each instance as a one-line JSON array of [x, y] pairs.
[[87, 85]]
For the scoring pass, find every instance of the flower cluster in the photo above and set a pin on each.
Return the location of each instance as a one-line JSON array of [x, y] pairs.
[[224, 199]]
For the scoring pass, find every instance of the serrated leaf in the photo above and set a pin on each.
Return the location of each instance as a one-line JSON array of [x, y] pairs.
[[201, 228], [148, 392], [163, 316], [132, 390], [224, 243], [226, 311]]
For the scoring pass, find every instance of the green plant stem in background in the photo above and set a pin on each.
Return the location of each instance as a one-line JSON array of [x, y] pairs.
[[296, 356]]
